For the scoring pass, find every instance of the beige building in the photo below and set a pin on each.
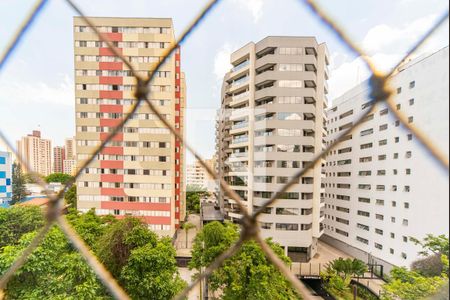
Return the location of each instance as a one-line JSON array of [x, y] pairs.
[[197, 176], [70, 148], [271, 126], [36, 153], [70, 167], [59, 155], [140, 173]]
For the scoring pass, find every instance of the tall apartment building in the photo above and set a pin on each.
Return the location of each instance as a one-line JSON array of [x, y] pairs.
[[5, 178], [70, 161], [271, 126], [59, 155], [140, 173], [382, 187], [36, 153]]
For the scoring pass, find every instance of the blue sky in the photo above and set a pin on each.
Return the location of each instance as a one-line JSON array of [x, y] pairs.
[[36, 87]]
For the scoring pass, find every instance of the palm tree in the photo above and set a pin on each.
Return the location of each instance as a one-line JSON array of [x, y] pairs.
[[187, 227]]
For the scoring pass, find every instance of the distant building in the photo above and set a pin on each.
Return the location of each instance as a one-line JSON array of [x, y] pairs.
[[70, 146], [36, 153], [381, 186], [70, 167], [59, 155], [5, 178], [196, 175]]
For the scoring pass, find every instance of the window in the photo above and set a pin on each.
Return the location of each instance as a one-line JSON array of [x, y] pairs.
[[392, 251], [382, 157], [404, 256], [365, 159], [407, 189], [287, 227], [383, 142], [379, 231], [367, 132], [381, 173], [380, 202], [396, 155], [363, 213], [393, 220], [363, 227], [288, 211], [408, 171], [412, 84], [364, 200], [407, 205], [392, 235], [384, 127], [397, 140], [341, 232], [379, 246], [384, 112], [397, 123], [399, 90], [394, 203], [362, 240], [367, 146], [405, 222], [411, 120], [405, 239], [380, 217], [290, 83], [411, 102], [399, 106]]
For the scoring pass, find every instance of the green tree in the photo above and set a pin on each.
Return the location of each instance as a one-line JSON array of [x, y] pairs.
[[151, 272], [187, 227], [58, 177], [433, 245], [17, 221], [71, 197], [18, 184], [115, 245], [33, 178], [53, 271], [194, 194], [409, 285], [247, 275]]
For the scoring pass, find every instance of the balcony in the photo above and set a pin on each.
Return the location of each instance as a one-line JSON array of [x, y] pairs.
[[240, 140], [239, 125], [241, 66], [239, 98]]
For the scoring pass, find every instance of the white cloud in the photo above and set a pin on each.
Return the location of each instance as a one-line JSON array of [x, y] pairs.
[[38, 92], [386, 46], [384, 38], [255, 7], [222, 63]]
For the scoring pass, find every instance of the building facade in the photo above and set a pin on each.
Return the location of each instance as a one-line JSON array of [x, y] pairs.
[[36, 153], [196, 175], [141, 172], [382, 187], [5, 178], [59, 156], [270, 126]]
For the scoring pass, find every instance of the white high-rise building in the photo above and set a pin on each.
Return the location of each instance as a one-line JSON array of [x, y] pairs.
[[270, 127], [382, 186]]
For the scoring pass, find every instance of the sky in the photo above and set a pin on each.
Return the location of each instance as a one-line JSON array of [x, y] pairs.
[[37, 89]]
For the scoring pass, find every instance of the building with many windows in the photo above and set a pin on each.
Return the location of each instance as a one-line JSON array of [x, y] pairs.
[[141, 172], [382, 187], [59, 156], [36, 152], [5, 178], [271, 125], [197, 176]]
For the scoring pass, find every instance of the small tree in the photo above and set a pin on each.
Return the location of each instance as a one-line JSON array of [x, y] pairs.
[[18, 184], [58, 177], [187, 227]]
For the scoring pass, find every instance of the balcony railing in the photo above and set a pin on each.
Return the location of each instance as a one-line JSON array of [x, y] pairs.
[[241, 66], [240, 82], [240, 140], [240, 96]]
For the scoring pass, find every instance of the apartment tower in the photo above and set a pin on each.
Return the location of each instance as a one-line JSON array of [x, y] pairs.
[[59, 155], [140, 173], [271, 126], [36, 153], [382, 187], [70, 161]]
